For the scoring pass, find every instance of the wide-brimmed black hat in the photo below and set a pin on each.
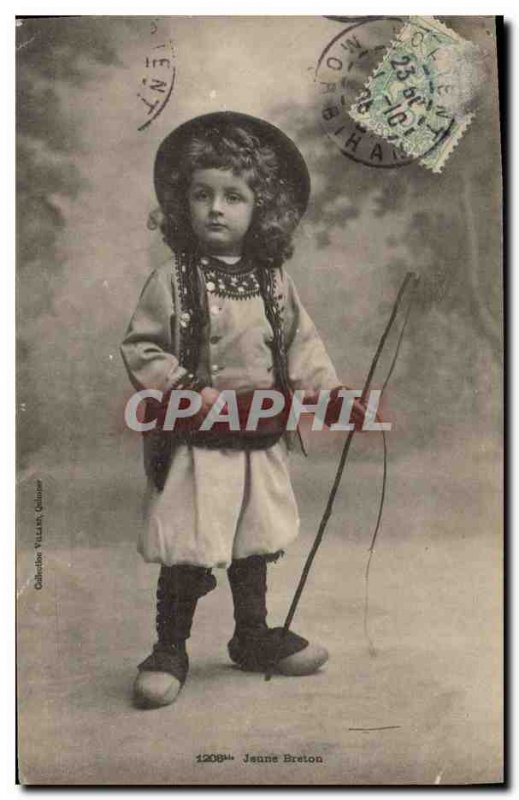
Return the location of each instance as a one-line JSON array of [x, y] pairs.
[[292, 165]]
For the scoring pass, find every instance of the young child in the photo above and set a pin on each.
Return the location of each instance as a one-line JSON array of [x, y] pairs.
[[222, 314]]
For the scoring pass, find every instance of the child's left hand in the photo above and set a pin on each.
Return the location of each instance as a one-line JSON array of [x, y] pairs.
[[358, 414], [358, 409]]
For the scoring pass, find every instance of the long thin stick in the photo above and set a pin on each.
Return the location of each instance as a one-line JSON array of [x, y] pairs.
[[369, 640], [338, 475]]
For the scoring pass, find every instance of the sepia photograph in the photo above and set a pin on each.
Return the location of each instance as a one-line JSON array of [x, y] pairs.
[[259, 400]]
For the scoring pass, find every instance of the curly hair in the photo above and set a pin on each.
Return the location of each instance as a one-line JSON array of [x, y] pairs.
[[275, 217]]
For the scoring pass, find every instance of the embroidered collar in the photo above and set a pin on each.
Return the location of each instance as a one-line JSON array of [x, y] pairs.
[[238, 281]]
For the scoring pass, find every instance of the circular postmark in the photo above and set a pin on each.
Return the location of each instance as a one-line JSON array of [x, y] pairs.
[[341, 73], [157, 76], [393, 110]]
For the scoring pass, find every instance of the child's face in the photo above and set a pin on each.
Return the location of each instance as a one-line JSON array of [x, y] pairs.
[[221, 205]]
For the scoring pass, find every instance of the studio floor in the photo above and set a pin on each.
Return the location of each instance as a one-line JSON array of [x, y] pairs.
[[424, 708]]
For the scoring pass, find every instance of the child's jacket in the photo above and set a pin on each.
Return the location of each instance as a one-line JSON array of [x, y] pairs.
[[233, 339], [209, 506], [161, 328]]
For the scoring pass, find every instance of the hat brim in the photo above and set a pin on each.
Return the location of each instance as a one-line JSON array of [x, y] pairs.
[[292, 165]]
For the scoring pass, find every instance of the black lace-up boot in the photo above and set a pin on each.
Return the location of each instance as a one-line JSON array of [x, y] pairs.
[[254, 645], [163, 673]]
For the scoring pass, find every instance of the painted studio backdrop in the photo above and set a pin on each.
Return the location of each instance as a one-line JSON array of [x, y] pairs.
[[96, 96]]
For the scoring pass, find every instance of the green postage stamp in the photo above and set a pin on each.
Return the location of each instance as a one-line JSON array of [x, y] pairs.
[[420, 97]]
